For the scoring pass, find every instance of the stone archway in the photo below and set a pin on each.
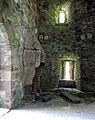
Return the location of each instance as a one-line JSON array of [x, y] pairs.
[[5, 69]]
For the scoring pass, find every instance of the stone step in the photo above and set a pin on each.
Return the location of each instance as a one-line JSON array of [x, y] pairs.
[[67, 84]]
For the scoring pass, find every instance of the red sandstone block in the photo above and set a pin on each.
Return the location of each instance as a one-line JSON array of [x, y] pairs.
[[7, 67]]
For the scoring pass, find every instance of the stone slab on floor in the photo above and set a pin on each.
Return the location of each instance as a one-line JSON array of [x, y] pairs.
[[70, 97], [3, 111]]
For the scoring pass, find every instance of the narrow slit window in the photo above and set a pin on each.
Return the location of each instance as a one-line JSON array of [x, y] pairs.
[[62, 17]]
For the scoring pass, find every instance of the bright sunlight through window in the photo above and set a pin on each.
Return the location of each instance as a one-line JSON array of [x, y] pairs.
[[67, 77], [62, 17]]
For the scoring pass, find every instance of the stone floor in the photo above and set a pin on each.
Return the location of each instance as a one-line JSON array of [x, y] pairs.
[[3, 111], [55, 109]]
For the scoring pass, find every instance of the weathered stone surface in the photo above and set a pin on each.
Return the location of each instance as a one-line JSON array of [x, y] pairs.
[[29, 58], [7, 67], [21, 52], [86, 25], [70, 97], [15, 75], [3, 34], [28, 75], [5, 75], [76, 37], [37, 58]]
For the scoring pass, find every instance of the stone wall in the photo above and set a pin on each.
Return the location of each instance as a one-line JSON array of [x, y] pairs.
[[18, 48], [84, 34], [75, 37], [59, 41], [10, 19], [5, 68], [33, 52]]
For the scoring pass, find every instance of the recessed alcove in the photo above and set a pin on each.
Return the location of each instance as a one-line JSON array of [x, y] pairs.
[[69, 71]]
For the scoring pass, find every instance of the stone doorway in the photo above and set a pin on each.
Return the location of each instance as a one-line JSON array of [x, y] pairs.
[[67, 70], [67, 74]]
